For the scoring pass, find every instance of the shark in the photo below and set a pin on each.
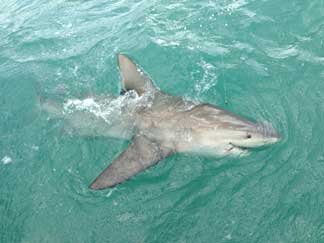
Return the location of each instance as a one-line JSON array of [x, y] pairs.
[[158, 125]]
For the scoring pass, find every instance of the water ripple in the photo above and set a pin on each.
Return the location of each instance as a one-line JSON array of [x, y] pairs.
[[260, 59]]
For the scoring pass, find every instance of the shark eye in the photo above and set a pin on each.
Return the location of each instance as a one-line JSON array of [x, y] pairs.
[[248, 136]]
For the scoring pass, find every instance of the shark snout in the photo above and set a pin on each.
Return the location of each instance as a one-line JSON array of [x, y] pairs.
[[268, 132]]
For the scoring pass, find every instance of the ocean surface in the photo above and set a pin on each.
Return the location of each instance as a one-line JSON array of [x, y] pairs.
[[262, 59]]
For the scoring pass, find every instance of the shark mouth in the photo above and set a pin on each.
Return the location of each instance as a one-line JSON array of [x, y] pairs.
[[233, 146]]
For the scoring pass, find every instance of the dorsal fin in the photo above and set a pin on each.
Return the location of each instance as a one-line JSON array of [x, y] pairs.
[[132, 77]]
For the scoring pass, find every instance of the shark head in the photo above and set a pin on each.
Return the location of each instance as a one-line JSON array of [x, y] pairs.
[[246, 134], [217, 127]]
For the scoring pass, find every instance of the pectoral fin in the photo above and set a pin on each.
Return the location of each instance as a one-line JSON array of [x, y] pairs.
[[141, 154]]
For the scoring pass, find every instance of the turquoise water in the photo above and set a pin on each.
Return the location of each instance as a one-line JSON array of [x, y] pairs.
[[261, 59]]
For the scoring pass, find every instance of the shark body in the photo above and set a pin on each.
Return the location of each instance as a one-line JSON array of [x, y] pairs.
[[160, 125]]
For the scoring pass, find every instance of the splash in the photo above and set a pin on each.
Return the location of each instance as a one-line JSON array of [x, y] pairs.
[[104, 107]]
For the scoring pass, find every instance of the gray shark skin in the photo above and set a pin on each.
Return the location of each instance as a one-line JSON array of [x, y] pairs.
[[160, 125]]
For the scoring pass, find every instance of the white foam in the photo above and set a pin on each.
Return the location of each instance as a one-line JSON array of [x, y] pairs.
[[209, 78], [6, 160], [228, 237], [107, 108], [34, 147]]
